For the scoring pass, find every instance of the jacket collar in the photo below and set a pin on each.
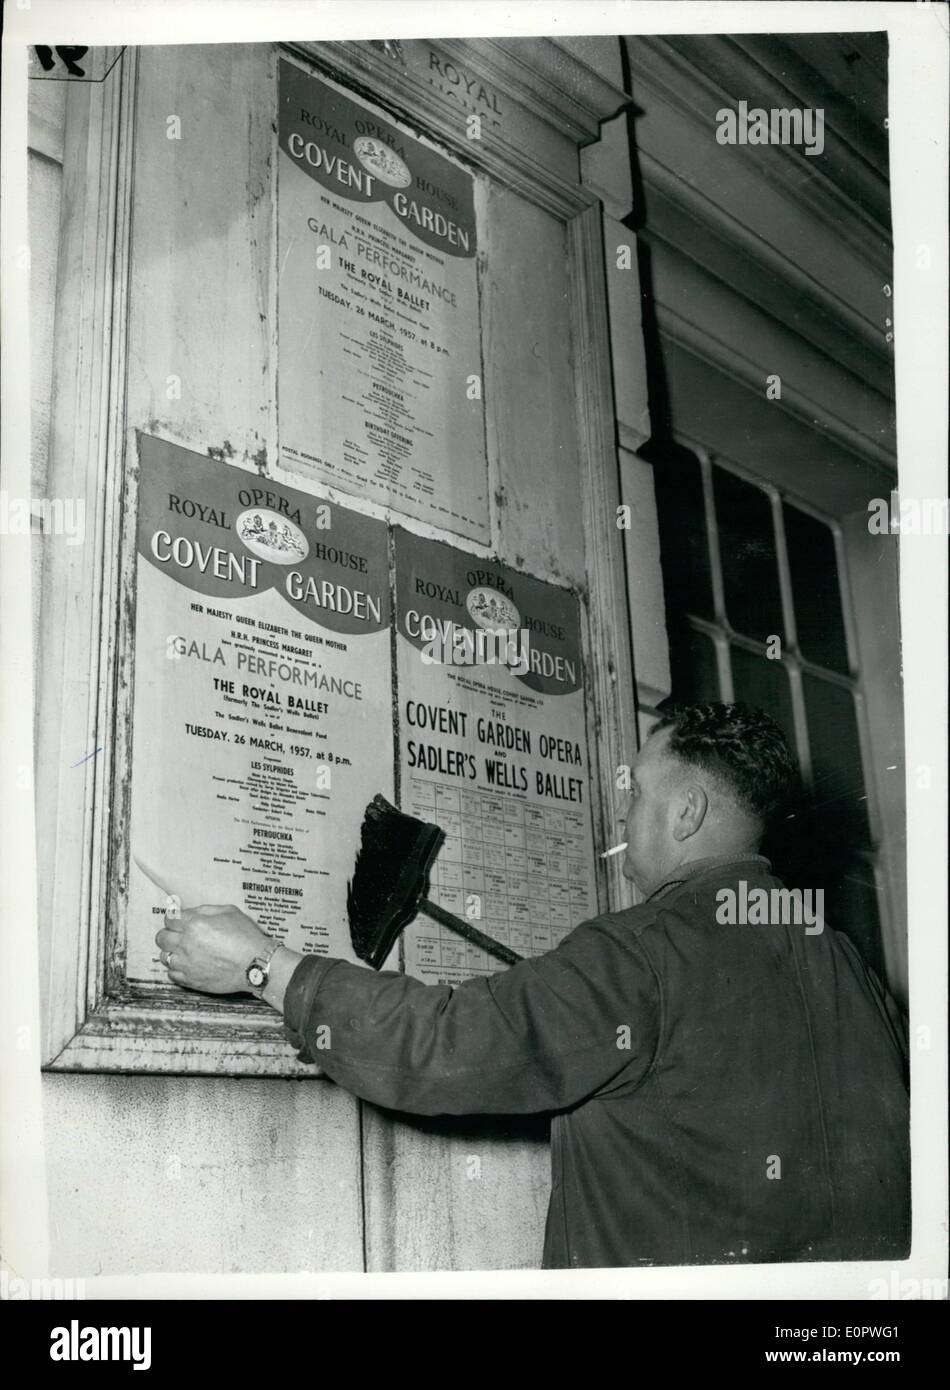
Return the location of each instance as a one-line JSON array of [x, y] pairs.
[[713, 863]]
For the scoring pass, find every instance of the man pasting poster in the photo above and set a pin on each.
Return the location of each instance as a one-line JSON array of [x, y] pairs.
[[379, 383], [262, 700]]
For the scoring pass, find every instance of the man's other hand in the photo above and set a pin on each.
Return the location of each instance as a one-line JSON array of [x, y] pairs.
[[210, 948]]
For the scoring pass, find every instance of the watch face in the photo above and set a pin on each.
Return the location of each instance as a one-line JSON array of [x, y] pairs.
[[255, 976]]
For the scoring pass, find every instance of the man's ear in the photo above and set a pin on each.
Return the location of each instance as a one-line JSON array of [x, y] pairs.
[[692, 811]]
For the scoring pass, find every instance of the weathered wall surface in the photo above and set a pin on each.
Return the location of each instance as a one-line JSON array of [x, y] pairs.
[[151, 1174], [44, 193], [196, 1174]]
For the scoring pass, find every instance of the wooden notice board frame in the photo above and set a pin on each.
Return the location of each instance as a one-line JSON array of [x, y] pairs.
[[552, 104]]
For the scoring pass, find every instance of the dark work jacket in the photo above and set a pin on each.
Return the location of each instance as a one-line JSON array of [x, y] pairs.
[[722, 1093]]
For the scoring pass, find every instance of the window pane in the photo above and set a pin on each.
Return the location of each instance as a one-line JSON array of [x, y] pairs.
[[684, 549], [693, 666], [747, 549], [840, 803], [763, 683], [816, 592]]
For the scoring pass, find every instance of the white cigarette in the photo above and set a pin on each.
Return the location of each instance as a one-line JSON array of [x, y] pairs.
[[616, 850]]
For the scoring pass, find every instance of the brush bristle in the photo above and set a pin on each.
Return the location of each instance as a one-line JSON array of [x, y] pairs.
[[390, 877]]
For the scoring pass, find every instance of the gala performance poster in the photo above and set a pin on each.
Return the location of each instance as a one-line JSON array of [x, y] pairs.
[[262, 707], [379, 336], [494, 751]]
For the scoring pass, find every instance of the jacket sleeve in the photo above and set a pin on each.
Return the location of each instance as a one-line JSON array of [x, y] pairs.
[[543, 1035]]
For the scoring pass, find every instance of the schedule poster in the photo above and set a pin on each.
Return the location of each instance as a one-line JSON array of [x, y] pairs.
[[493, 748], [262, 717], [378, 311]]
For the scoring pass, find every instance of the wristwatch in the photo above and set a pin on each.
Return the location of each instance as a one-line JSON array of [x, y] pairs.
[[258, 971]]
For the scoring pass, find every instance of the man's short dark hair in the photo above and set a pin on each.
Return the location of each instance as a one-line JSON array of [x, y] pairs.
[[741, 746]]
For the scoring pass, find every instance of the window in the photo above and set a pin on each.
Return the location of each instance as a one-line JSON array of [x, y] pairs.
[[754, 588]]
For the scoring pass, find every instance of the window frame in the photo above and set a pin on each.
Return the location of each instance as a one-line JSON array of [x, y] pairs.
[[891, 912]]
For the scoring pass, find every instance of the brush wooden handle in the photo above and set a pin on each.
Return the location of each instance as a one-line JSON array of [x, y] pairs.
[[472, 934]]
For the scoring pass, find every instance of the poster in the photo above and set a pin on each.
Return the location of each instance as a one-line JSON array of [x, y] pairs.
[[262, 719], [493, 748], [379, 343]]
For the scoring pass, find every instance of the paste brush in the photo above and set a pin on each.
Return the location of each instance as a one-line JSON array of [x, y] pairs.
[[390, 882]]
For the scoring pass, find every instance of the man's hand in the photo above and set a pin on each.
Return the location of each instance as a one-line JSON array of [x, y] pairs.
[[210, 948]]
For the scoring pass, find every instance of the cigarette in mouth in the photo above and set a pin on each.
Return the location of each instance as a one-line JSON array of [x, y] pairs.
[[617, 849]]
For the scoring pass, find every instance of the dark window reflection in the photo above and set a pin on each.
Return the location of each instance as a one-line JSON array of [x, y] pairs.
[[758, 681], [837, 775], [816, 591], [684, 548], [694, 670], [747, 548]]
